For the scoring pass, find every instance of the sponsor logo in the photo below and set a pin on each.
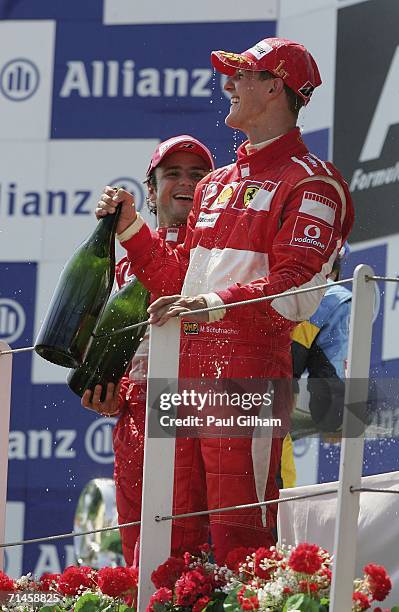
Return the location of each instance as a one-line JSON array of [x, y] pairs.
[[306, 89], [376, 178], [98, 440], [12, 320], [249, 194], [280, 70], [318, 206], [224, 196], [255, 195], [207, 220], [57, 202], [307, 234], [112, 79], [260, 49], [42, 444], [19, 79], [190, 327], [312, 231], [234, 57]]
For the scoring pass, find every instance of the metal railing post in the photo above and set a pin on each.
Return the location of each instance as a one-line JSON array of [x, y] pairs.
[[5, 400], [350, 473], [159, 461]]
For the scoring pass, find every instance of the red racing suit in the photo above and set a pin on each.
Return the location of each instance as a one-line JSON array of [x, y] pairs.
[[273, 221], [128, 434]]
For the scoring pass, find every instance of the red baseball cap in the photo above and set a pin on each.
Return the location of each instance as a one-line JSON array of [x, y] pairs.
[[282, 57], [180, 143]]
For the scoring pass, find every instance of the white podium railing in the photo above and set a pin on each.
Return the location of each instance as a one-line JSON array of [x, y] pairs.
[[350, 473]]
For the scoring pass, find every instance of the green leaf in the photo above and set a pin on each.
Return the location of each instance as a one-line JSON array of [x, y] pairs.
[[302, 602], [395, 609], [89, 603], [216, 604], [51, 609]]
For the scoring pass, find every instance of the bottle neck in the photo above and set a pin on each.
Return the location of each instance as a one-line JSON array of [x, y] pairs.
[[103, 237]]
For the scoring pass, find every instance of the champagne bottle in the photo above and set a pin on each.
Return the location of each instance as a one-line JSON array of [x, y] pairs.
[[79, 298], [110, 353]]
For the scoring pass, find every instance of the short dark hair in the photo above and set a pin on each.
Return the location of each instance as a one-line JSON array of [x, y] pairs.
[[295, 102], [151, 180]]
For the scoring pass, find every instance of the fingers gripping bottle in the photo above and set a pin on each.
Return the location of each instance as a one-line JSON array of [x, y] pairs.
[[82, 291], [112, 350]]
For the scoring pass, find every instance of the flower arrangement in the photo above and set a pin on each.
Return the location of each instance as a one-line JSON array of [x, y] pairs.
[[81, 589], [276, 579]]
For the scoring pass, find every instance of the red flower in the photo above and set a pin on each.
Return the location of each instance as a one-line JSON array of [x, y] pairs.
[[237, 556], [116, 581], [201, 603], [266, 553], [361, 600], [47, 581], [247, 602], [73, 579], [305, 559], [167, 573], [6, 583], [191, 585], [378, 581], [161, 597]]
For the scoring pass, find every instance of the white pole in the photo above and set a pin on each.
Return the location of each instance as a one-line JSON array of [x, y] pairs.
[[159, 458], [356, 392], [5, 400]]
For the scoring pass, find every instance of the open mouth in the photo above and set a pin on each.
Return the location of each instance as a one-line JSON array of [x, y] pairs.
[[234, 100], [184, 197]]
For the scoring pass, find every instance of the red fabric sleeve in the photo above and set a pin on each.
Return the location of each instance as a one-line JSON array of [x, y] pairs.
[[160, 267]]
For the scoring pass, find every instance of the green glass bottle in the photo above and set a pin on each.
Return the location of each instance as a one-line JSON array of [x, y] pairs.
[[110, 353], [82, 291]]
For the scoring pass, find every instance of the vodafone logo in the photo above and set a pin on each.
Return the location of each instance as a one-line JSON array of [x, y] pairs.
[[312, 231], [307, 234]]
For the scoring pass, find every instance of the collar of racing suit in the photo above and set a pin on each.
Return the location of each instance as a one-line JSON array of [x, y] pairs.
[[256, 161], [252, 148]]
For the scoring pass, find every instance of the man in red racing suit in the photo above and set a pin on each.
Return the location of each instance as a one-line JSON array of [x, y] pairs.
[[273, 221], [175, 169]]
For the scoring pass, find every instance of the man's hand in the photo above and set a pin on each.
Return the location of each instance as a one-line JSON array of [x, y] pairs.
[[109, 407], [165, 308], [108, 203]]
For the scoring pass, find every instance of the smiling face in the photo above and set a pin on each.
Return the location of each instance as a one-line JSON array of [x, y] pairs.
[[248, 100], [176, 178]]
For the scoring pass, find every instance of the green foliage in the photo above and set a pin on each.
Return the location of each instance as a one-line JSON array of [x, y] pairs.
[[303, 603]]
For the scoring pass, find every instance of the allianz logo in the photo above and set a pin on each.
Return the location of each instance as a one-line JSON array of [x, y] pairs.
[[12, 320], [63, 443], [15, 201], [112, 78], [19, 79]]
